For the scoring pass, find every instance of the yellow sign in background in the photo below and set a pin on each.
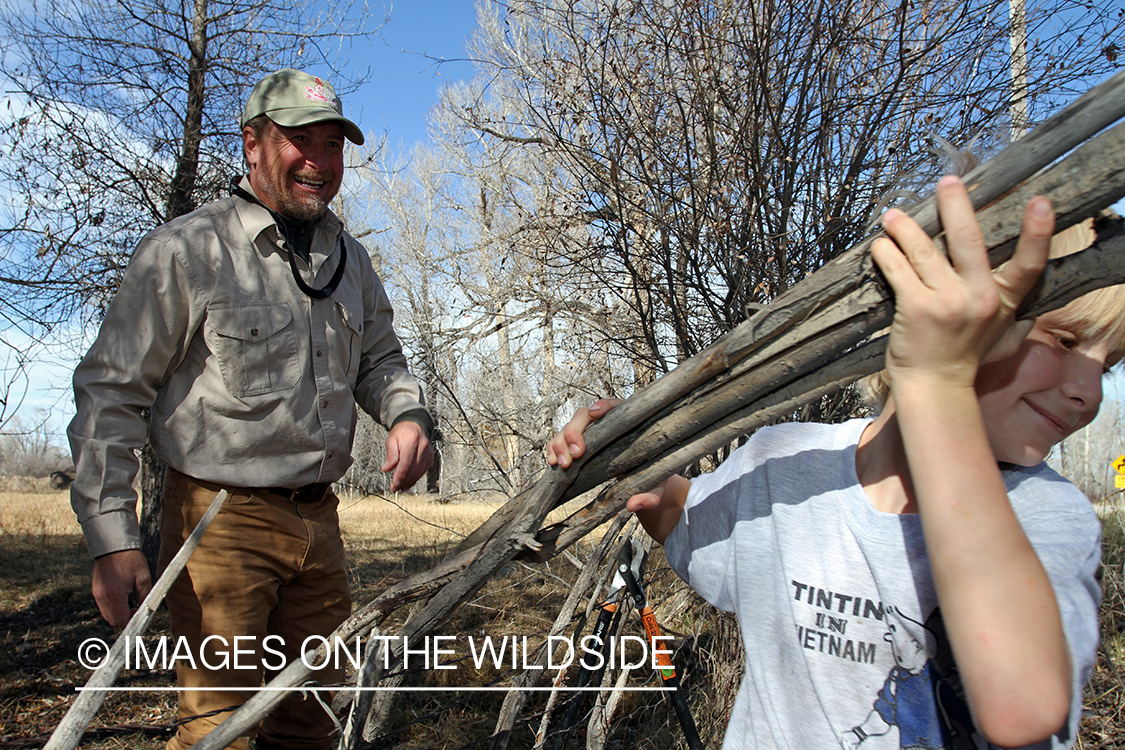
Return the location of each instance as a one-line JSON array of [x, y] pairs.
[[1119, 467]]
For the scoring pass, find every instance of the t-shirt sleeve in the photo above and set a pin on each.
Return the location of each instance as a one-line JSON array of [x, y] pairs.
[[701, 547]]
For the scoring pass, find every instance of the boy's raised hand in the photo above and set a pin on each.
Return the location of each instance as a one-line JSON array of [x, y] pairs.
[[659, 509], [952, 314], [570, 444]]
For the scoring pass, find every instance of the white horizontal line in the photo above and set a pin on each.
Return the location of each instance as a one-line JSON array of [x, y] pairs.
[[321, 688]]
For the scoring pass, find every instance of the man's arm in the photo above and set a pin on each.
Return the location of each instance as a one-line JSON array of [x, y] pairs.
[[387, 390], [143, 334], [997, 602]]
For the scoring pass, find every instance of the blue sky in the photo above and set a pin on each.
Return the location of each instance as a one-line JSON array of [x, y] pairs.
[[404, 82]]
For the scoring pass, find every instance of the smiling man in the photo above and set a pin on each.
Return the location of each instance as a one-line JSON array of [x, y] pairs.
[[251, 328]]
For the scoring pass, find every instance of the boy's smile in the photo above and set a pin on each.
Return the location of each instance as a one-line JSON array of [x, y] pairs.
[[1051, 387]]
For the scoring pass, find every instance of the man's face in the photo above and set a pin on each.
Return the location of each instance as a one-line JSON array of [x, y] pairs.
[[296, 171], [1051, 387]]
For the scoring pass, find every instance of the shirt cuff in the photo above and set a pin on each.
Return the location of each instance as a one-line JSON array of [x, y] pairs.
[[111, 532], [420, 417]]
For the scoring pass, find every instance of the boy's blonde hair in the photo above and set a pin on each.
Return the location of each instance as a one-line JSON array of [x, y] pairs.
[[1099, 314]]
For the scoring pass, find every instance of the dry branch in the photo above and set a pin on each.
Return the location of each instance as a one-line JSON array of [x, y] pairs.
[[69, 732], [783, 356]]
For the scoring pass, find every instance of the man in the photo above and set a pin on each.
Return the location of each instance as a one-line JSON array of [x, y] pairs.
[[252, 328]]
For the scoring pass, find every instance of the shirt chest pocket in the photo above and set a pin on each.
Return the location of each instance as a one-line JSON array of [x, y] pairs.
[[256, 347], [350, 336]]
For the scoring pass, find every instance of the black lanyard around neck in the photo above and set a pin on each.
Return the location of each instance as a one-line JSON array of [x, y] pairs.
[[283, 227]]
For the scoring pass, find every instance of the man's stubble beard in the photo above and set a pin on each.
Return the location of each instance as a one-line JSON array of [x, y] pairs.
[[290, 204]]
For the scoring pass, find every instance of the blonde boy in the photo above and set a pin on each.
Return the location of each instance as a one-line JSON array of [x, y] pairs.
[[921, 579]]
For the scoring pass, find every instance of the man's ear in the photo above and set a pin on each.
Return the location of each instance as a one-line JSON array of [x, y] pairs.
[[249, 147]]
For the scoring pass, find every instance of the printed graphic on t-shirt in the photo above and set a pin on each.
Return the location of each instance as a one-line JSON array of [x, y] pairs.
[[921, 701]]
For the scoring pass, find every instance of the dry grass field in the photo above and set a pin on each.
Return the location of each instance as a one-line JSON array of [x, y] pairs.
[[46, 611]]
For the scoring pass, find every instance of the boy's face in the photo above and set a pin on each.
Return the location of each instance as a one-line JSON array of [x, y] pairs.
[[1051, 387]]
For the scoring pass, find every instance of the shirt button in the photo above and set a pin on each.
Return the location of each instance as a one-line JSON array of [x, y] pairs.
[[318, 353], [253, 331]]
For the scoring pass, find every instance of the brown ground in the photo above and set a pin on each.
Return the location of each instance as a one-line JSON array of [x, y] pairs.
[[46, 611]]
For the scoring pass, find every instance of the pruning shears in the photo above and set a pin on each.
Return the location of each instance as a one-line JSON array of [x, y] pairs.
[[629, 570], [626, 578], [603, 626]]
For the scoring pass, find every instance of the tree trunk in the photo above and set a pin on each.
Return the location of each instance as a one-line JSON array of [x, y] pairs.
[[180, 202], [152, 490]]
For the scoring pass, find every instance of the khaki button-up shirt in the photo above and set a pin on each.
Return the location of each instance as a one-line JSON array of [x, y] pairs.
[[250, 382]]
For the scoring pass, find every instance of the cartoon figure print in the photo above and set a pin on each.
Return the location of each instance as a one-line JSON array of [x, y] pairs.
[[922, 697]]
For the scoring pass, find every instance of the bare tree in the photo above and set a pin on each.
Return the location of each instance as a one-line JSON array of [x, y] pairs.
[[623, 181], [717, 152], [27, 449]]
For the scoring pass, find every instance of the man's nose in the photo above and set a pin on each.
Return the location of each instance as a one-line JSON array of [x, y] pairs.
[[317, 154]]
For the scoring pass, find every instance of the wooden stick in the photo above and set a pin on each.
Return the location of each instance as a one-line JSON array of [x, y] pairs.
[[69, 732]]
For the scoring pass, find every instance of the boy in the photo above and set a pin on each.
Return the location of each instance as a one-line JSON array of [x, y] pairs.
[[922, 579]]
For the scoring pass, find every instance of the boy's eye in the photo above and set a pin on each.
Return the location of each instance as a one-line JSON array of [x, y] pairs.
[[1065, 340]]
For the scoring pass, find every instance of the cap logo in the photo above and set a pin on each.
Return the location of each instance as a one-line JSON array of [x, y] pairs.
[[317, 93]]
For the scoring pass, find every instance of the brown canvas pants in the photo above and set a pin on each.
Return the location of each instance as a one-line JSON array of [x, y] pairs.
[[270, 572]]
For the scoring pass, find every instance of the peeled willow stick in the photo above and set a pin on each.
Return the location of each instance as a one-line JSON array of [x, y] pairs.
[[69, 732], [830, 312]]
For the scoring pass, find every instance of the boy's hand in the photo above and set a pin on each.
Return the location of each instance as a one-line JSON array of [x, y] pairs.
[[569, 444], [951, 313], [659, 509], [647, 500]]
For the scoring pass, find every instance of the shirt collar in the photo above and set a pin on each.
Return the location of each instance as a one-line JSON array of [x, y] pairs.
[[256, 219]]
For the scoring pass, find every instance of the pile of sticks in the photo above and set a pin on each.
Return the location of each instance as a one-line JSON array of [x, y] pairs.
[[809, 342]]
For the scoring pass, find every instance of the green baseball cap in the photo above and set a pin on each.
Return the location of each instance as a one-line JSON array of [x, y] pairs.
[[292, 98]]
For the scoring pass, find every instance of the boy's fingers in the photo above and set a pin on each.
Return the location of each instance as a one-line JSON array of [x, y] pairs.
[[897, 269], [963, 235], [927, 262], [1018, 275], [642, 501], [603, 405], [558, 453]]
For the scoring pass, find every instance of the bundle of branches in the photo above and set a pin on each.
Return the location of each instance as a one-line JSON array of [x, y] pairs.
[[809, 342]]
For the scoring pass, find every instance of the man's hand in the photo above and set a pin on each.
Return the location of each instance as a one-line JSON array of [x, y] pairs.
[[409, 454], [117, 575]]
